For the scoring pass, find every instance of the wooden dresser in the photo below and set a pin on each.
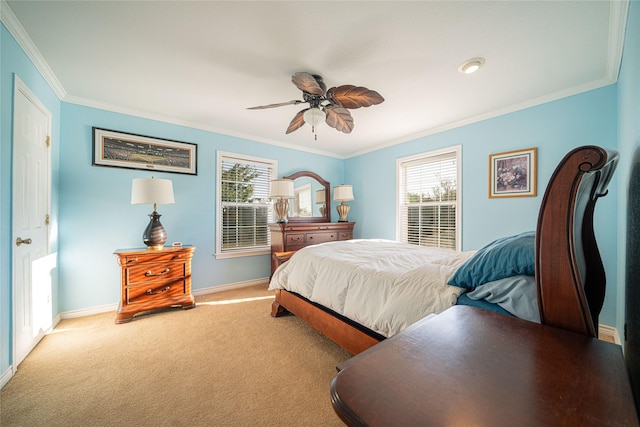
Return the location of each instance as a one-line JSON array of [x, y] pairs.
[[153, 279], [289, 237]]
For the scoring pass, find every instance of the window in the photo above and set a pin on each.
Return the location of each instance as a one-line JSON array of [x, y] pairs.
[[429, 199], [244, 210]]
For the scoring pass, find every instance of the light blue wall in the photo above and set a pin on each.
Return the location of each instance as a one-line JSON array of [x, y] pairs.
[[13, 61], [91, 206], [629, 141], [554, 128], [97, 217]]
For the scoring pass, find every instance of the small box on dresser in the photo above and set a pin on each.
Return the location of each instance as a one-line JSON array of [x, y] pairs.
[[292, 236], [153, 279]]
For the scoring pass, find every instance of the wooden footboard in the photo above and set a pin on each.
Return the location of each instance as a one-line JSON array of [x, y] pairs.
[[352, 338]]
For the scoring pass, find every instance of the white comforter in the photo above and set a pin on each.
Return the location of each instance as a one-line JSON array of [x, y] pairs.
[[381, 284]]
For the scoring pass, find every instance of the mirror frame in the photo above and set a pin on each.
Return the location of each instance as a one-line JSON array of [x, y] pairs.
[[327, 196]]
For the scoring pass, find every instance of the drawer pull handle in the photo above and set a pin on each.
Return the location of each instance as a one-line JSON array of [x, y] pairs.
[[165, 289], [149, 273], [130, 261]]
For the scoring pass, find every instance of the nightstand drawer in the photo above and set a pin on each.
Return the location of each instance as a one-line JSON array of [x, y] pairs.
[[143, 294], [156, 273], [159, 257]]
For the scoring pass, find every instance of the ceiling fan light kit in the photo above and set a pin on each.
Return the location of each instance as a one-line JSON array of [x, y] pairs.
[[330, 106], [314, 116]]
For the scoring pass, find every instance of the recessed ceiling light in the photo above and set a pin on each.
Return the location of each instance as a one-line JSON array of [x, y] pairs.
[[471, 66]]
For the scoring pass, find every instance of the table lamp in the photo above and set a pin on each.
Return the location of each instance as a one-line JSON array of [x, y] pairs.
[[156, 192], [343, 193], [282, 189]]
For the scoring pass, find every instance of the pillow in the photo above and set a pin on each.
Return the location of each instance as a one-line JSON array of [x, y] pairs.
[[504, 257], [516, 294]]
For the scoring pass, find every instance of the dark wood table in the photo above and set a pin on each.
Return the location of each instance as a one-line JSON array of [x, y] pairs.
[[469, 366]]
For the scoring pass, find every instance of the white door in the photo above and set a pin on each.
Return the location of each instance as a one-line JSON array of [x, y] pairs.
[[32, 313]]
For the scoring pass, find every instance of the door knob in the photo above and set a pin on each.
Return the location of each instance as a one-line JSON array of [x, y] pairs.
[[19, 241]]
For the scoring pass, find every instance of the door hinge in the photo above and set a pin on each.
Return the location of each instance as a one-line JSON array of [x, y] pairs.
[[46, 219], [48, 141]]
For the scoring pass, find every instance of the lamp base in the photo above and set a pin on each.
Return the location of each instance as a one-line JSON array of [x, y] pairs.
[[282, 210], [154, 235], [343, 211]]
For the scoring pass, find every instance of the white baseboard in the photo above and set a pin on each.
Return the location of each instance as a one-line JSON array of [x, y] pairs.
[[113, 307], [88, 311], [6, 376], [55, 322], [605, 331]]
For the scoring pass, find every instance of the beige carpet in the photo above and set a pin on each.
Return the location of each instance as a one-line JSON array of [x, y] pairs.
[[225, 363]]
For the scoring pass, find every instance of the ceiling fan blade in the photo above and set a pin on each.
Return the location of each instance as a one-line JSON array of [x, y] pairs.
[[280, 104], [350, 96], [312, 84], [297, 122], [339, 118]]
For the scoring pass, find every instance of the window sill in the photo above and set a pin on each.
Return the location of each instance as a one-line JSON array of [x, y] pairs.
[[226, 255]]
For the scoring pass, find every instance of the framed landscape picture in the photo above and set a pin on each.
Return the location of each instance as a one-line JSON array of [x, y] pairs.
[[513, 174], [131, 151]]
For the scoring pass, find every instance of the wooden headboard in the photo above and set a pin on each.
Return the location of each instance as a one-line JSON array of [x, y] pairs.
[[570, 277]]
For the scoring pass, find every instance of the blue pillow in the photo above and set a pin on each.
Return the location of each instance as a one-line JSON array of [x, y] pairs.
[[504, 257]]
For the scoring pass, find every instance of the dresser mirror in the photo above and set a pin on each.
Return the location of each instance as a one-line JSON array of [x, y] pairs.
[[311, 201]]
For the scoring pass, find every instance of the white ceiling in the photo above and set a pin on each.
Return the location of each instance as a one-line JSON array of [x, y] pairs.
[[203, 63]]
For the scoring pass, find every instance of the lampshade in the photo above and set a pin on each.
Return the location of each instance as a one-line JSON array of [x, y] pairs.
[[152, 191], [343, 193], [320, 197], [314, 116], [281, 188]]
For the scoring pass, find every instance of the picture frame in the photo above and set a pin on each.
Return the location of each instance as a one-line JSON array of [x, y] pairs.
[[513, 173], [131, 151]]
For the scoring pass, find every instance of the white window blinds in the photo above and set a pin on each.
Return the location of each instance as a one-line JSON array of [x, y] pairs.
[[244, 208], [429, 199]]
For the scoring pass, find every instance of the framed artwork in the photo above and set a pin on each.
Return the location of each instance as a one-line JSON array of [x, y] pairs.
[[513, 174], [126, 150]]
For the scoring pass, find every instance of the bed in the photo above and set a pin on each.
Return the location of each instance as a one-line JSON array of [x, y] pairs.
[[362, 291]]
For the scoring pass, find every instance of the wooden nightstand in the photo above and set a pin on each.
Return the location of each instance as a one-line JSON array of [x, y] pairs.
[[153, 279]]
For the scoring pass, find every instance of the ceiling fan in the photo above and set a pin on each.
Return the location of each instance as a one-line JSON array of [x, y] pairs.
[[330, 106]]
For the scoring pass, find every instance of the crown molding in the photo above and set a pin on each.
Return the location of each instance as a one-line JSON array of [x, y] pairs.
[[576, 90], [15, 28], [193, 125], [618, 13]]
